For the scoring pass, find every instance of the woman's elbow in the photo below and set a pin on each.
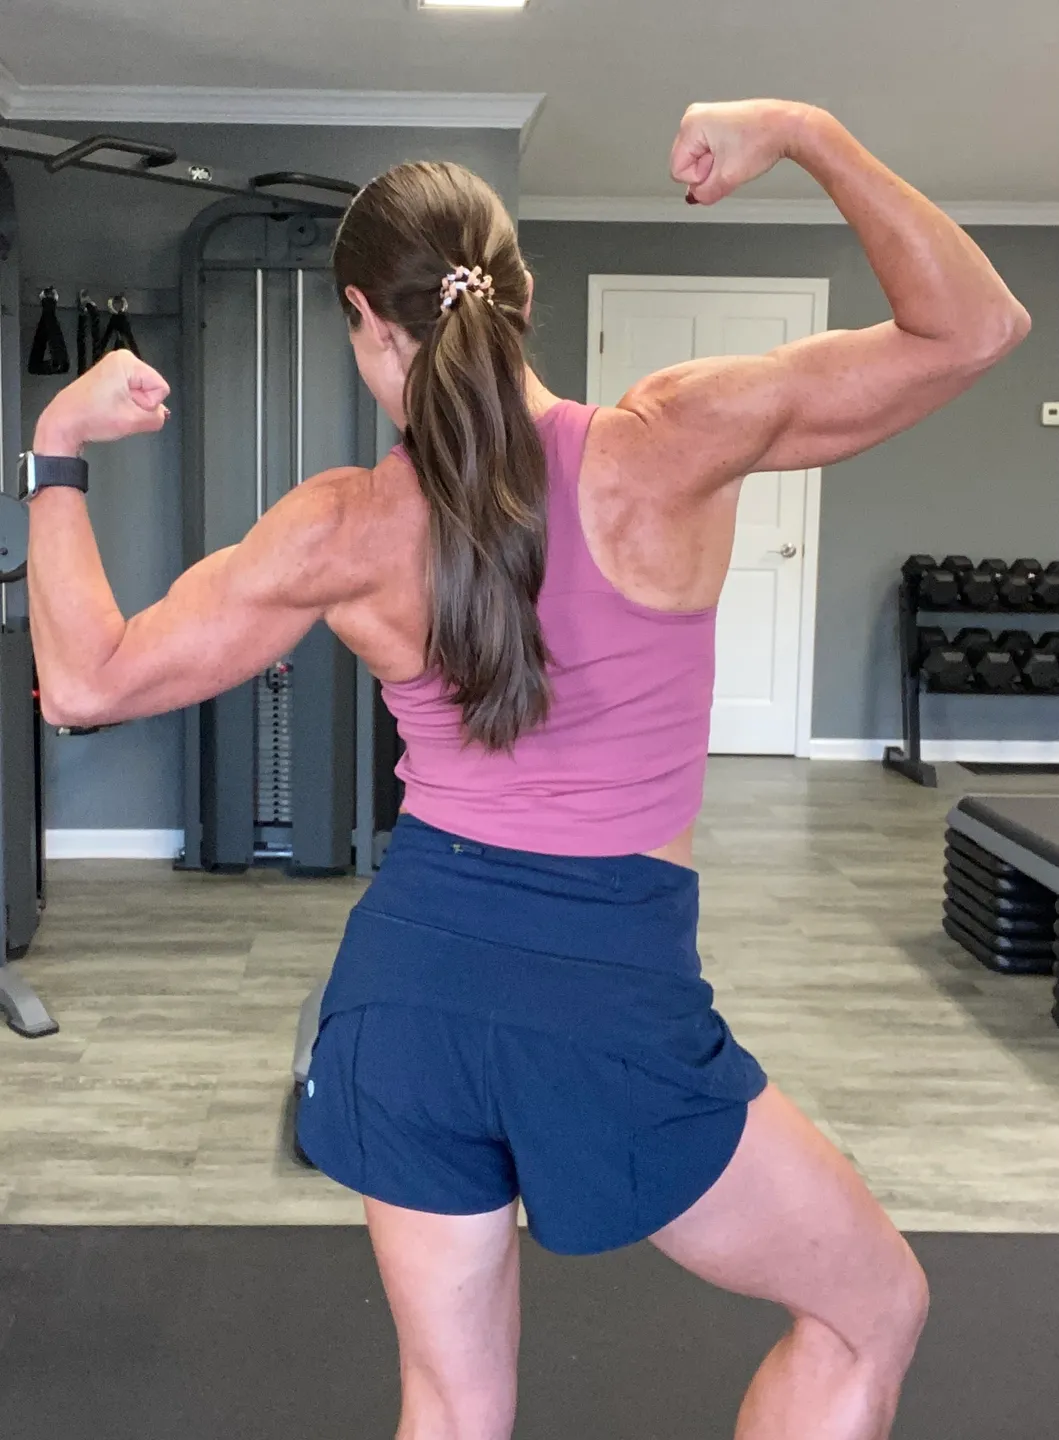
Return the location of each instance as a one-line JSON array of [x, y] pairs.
[[73, 706], [1005, 334]]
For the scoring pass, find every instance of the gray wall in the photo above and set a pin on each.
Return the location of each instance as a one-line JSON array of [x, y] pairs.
[[978, 478], [106, 233]]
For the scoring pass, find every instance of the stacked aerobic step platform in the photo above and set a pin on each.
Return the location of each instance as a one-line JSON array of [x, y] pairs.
[[1002, 917]]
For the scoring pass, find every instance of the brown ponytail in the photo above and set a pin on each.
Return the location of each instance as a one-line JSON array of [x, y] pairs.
[[470, 434]]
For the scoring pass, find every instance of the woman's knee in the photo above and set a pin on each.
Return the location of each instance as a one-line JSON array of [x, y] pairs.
[[440, 1407], [898, 1311], [911, 1299]]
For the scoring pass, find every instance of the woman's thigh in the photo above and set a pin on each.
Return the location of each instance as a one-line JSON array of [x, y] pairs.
[[453, 1286], [791, 1221]]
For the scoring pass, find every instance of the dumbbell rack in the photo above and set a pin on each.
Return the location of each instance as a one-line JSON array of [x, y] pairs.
[[907, 759]]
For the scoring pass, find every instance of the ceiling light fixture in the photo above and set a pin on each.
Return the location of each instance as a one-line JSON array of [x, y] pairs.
[[472, 4]]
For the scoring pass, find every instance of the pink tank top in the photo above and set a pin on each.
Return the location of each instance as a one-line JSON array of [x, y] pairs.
[[619, 765]]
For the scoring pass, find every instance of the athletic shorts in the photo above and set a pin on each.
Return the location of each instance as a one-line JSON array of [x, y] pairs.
[[502, 1024]]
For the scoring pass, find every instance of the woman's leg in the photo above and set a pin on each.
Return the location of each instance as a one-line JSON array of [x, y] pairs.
[[791, 1221], [453, 1286]]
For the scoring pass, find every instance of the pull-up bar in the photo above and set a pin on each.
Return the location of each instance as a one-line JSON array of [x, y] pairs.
[[139, 159]]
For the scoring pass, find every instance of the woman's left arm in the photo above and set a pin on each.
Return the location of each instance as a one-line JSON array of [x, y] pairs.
[[222, 622]]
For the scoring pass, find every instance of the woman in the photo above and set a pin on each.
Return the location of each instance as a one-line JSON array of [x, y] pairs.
[[517, 1008]]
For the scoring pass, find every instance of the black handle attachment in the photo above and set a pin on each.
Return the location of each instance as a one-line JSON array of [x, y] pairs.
[[299, 177], [152, 157], [48, 354]]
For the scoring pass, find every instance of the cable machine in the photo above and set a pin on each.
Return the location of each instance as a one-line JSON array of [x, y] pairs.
[[272, 768], [21, 767], [295, 767]]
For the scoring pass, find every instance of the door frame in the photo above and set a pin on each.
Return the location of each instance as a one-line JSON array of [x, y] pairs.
[[820, 292]]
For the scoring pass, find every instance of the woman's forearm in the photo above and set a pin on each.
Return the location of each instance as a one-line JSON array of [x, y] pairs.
[[74, 618], [939, 283]]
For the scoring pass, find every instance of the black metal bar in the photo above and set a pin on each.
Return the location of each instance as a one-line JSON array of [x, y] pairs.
[[194, 175], [150, 156], [140, 302], [907, 760], [223, 267], [303, 181]]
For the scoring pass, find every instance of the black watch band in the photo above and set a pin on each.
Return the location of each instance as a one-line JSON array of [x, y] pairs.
[[43, 472]]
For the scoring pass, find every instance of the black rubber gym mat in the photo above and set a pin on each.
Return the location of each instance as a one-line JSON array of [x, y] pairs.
[[983, 948], [1026, 947], [1015, 885], [1035, 928], [1030, 821], [279, 1334], [997, 902], [982, 858]]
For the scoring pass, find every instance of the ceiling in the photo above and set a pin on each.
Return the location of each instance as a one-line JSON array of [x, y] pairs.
[[959, 95]]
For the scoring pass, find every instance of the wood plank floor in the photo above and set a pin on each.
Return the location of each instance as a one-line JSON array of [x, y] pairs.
[[165, 1097]]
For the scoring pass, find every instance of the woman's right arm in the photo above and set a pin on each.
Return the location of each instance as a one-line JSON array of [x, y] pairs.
[[820, 400]]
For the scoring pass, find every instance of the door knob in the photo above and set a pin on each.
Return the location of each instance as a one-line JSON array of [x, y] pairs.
[[788, 551]]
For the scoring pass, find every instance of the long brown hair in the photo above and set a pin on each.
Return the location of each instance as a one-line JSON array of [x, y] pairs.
[[470, 434]]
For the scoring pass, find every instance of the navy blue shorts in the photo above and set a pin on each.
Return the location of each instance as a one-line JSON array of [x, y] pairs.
[[502, 1024]]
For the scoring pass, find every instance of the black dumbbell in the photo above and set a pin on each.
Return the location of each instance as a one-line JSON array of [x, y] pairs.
[[1040, 668], [1047, 590], [1018, 643], [997, 670], [916, 564], [935, 587], [913, 570], [994, 667], [958, 564], [973, 589], [978, 586], [946, 667], [930, 637], [939, 589], [975, 644], [1018, 586]]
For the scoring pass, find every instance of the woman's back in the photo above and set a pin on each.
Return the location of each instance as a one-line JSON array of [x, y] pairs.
[[618, 764]]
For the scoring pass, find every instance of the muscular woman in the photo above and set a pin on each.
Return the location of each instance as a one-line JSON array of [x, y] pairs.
[[517, 1008]]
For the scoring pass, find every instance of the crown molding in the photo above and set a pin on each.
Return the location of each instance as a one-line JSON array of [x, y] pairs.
[[1003, 212], [648, 211], [176, 105]]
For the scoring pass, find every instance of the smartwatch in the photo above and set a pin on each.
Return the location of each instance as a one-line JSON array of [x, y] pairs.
[[42, 472]]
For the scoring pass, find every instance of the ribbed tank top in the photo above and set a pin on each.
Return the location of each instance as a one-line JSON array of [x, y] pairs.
[[619, 765]]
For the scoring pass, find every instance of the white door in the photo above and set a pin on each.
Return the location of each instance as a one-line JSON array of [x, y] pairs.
[[764, 625]]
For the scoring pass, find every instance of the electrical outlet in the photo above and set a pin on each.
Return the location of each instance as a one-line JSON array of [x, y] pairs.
[[1050, 413]]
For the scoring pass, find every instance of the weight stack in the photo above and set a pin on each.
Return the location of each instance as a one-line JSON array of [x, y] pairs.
[[1000, 916], [273, 750]]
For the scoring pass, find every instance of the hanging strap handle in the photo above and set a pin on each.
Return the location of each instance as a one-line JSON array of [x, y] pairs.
[[48, 354], [89, 333], [118, 334]]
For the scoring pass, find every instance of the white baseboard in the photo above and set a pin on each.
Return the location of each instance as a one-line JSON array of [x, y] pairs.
[[113, 844], [997, 752]]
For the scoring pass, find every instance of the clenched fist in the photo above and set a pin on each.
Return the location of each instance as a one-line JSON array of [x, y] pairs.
[[721, 147], [120, 396]]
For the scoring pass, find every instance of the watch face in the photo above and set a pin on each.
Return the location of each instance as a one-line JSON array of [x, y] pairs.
[[28, 473]]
